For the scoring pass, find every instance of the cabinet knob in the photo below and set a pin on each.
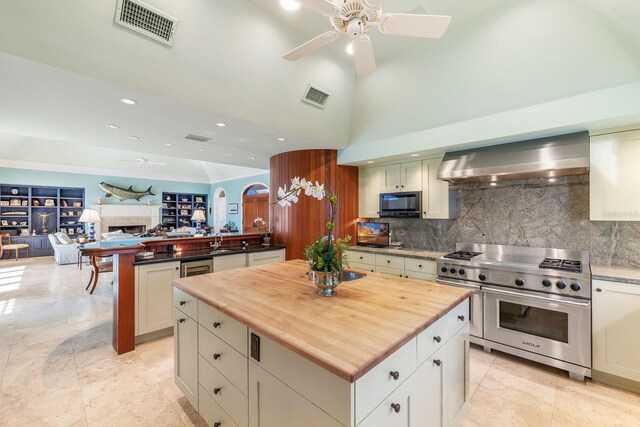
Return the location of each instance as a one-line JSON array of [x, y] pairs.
[[183, 302], [396, 186], [182, 320], [395, 407], [419, 265], [437, 362], [217, 424], [216, 390], [360, 257], [401, 275], [388, 261], [216, 356], [177, 268], [395, 375], [598, 289], [461, 318], [437, 339], [216, 324]]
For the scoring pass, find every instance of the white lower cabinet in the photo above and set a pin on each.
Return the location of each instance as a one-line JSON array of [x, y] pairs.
[[262, 258], [399, 409], [154, 307], [430, 378], [393, 265], [615, 325], [185, 355], [229, 262]]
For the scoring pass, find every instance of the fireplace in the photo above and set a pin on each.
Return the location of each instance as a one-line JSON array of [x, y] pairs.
[[129, 218], [131, 229]]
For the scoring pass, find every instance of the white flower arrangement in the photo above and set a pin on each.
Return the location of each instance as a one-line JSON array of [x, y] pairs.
[[261, 225]]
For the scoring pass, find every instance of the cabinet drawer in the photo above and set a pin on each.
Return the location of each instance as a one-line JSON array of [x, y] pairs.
[[224, 358], [262, 258], [432, 338], [390, 261], [420, 266], [362, 257], [397, 410], [230, 399], [457, 318], [378, 383], [420, 276], [392, 271], [229, 262], [366, 267], [185, 303], [229, 329], [212, 413]]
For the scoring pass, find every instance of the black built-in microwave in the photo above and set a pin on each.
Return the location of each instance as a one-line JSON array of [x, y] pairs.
[[400, 205]]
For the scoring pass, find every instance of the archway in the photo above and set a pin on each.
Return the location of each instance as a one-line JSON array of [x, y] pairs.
[[255, 203], [219, 209]]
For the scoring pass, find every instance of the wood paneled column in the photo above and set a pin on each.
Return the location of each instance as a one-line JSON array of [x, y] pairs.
[[302, 223]]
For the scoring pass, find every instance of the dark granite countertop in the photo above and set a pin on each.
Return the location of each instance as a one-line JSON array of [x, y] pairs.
[[201, 254], [616, 274], [403, 252]]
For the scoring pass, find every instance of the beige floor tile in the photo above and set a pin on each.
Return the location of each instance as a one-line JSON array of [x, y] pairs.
[[26, 367], [149, 408]]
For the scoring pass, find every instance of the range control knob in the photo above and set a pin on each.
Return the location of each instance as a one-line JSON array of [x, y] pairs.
[[519, 282], [461, 272], [482, 276], [444, 269], [560, 284], [575, 287], [546, 283], [452, 270]]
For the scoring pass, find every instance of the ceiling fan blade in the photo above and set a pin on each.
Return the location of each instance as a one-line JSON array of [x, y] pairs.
[[373, 4], [311, 45], [155, 163], [128, 161], [363, 57], [404, 24], [325, 7]]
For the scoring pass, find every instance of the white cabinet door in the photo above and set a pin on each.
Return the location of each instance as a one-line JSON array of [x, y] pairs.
[[229, 262], [274, 404], [616, 322], [430, 376], [185, 356], [262, 258], [456, 387], [369, 189], [390, 175], [154, 296], [613, 176], [411, 176], [438, 202]]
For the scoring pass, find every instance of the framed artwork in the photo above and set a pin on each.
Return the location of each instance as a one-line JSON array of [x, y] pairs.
[[49, 202], [233, 208], [5, 222], [15, 202], [25, 203], [77, 204], [184, 212], [199, 200]]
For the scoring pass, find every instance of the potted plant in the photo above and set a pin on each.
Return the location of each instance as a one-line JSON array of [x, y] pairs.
[[264, 229], [327, 255], [83, 238]]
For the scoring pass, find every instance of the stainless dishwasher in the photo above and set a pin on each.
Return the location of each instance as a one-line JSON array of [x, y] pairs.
[[196, 268]]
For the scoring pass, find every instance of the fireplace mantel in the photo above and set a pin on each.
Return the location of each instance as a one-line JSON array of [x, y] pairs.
[[122, 215]]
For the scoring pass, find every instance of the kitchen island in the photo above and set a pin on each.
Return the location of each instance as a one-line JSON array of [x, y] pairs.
[[259, 347]]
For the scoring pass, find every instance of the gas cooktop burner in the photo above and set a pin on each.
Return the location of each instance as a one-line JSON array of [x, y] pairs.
[[562, 264], [464, 255]]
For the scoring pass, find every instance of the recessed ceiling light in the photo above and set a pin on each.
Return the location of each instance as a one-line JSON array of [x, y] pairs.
[[128, 101], [221, 125], [229, 154], [493, 184], [169, 145], [134, 137], [201, 149], [415, 155], [370, 161], [290, 5], [252, 158], [113, 126], [282, 139], [349, 49]]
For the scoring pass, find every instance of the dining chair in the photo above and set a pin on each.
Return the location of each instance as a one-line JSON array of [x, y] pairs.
[[6, 245]]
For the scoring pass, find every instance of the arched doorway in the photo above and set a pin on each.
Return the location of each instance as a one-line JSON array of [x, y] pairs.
[[255, 203], [219, 209]]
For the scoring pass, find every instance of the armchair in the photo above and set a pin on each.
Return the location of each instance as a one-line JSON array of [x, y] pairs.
[[63, 253]]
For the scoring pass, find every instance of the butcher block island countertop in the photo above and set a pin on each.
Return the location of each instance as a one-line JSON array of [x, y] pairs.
[[349, 334]]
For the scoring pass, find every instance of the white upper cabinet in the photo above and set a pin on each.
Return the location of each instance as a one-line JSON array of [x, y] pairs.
[[614, 175], [438, 202], [402, 177], [369, 186]]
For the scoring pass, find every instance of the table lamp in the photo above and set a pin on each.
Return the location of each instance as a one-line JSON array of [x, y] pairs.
[[91, 216], [198, 217]]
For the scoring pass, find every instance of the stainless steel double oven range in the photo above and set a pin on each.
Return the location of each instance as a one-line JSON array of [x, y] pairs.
[[531, 302]]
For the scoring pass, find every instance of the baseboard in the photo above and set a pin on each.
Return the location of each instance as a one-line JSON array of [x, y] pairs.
[[616, 381], [150, 336]]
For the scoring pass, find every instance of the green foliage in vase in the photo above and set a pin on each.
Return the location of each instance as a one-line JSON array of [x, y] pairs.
[[328, 257]]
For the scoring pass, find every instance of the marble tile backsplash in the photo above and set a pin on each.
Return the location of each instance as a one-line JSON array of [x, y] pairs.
[[531, 212]]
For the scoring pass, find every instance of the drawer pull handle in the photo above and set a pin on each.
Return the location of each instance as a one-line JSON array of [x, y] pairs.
[[419, 265], [216, 356], [182, 320], [216, 324], [183, 302], [216, 390], [395, 375], [461, 318], [360, 257], [395, 407], [388, 261], [437, 362], [598, 290], [217, 424], [437, 339]]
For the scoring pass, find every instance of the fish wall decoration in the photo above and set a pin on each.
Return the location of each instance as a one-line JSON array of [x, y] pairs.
[[125, 193]]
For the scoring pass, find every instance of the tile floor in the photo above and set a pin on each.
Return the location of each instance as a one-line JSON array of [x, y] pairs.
[[57, 368]]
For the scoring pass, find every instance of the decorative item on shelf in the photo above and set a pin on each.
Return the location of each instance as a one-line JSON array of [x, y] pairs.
[[15, 213], [264, 229], [4, 222], [25, 203], [44, 217], [77, 204], [64, 203], [184, 212], [24, 232], [327, 255], [49, 203], [124, 193], [36, 202], [198, 217], [64, 230], [184, 199], [14, 191], [23, 223], [33, 233], [91, 216], [4, 203], [168, 198], [14, 202], [199, 200], [79, 230]]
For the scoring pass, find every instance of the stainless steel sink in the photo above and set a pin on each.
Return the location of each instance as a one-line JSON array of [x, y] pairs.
[[348, 275], [221, 251]]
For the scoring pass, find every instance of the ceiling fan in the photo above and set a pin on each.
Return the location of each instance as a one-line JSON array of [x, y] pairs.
[[356, 17], [142, 161]]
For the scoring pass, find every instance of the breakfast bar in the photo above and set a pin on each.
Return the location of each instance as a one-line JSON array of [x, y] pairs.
[[259, 346]]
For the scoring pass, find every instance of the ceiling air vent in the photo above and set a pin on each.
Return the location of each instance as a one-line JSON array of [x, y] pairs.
[[197, 138], [146, 20], [315, 96]]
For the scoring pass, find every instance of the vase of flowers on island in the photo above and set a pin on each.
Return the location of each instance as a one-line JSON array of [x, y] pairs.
[[327, 255], [264, 229]]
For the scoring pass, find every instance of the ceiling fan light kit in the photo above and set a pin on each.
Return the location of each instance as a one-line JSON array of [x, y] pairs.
[[356, 17]]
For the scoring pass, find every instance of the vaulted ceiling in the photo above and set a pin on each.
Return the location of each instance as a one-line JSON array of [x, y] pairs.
[[505, 69]]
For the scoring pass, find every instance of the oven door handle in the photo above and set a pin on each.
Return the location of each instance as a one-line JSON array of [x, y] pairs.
[[536, 297], [464, 284]]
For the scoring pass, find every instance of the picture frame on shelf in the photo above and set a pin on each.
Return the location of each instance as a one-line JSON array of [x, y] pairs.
[[77, 204], [15, 202], [184, 212], [4, 203], [233, 208], [23, 223], [25, 203], [48, 203], [4, 222], [199, 200]]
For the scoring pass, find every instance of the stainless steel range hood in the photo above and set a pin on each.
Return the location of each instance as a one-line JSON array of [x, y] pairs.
[[545, 157]]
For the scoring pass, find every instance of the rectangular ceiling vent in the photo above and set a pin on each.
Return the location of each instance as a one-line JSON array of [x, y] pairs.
[[315, 96], [146, 20], [197, 138]]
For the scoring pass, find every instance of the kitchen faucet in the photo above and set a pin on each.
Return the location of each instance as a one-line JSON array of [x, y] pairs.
[[215, 245]]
